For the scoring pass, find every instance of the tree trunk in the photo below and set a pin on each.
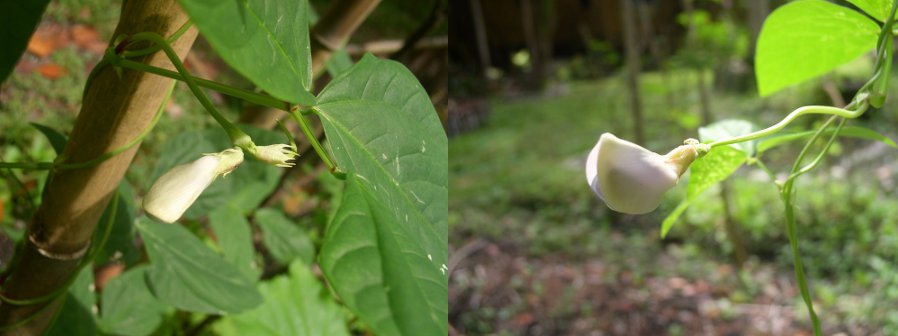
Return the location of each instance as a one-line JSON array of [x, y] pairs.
[[654, 45], [757, 12], [537, 24], [729, 225], [483, 47], [114, 111], [331, 32], [704, 97], [528, 25], [632, 60]]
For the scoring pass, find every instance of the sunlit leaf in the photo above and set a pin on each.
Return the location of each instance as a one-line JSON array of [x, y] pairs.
[[717, 165], [711, 169], [807, 38], [726, 129], [878, 9], [672, 217]]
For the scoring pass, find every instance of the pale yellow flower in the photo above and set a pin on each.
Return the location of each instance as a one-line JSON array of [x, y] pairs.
[[176, 190]]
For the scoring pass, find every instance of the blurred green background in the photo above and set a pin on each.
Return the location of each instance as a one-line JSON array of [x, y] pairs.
[[534, 252]]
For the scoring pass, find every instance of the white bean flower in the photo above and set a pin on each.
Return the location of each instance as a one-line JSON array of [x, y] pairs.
[[176, 190], [631, 179], [276, 155]]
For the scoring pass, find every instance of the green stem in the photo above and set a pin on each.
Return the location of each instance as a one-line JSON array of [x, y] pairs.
[[307, 131], [820, 155], [791, 232], [104, 62], [288, 134], [756, 161], [149, 50], [786, 193], [237, 136], [246, 95], [813, 109], [807, 147]]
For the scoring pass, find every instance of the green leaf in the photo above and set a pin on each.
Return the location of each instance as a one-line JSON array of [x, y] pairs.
[[381, 124], [807, 38], [350, 259], [729, 128], [265, 40], [379, 269], [283, 238], [120, 246], [19, 19], [385, 134], [878, 9], [78, 314], [716, 166], [235, 239], [57, 140], [295, 304], [244, 188], [671, 218], [847, 131], [128, 306], [188, 275], [339, 62]]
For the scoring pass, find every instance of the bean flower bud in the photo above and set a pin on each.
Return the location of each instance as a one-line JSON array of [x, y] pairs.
[[632, 179], [176, 190], [276, 155]]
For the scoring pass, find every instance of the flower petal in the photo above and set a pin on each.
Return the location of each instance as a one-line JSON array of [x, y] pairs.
[[632, 179], [176, 190], [592, 174]]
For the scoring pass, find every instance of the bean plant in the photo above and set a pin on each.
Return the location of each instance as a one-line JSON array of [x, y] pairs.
[[798, 42], [382, 258]]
